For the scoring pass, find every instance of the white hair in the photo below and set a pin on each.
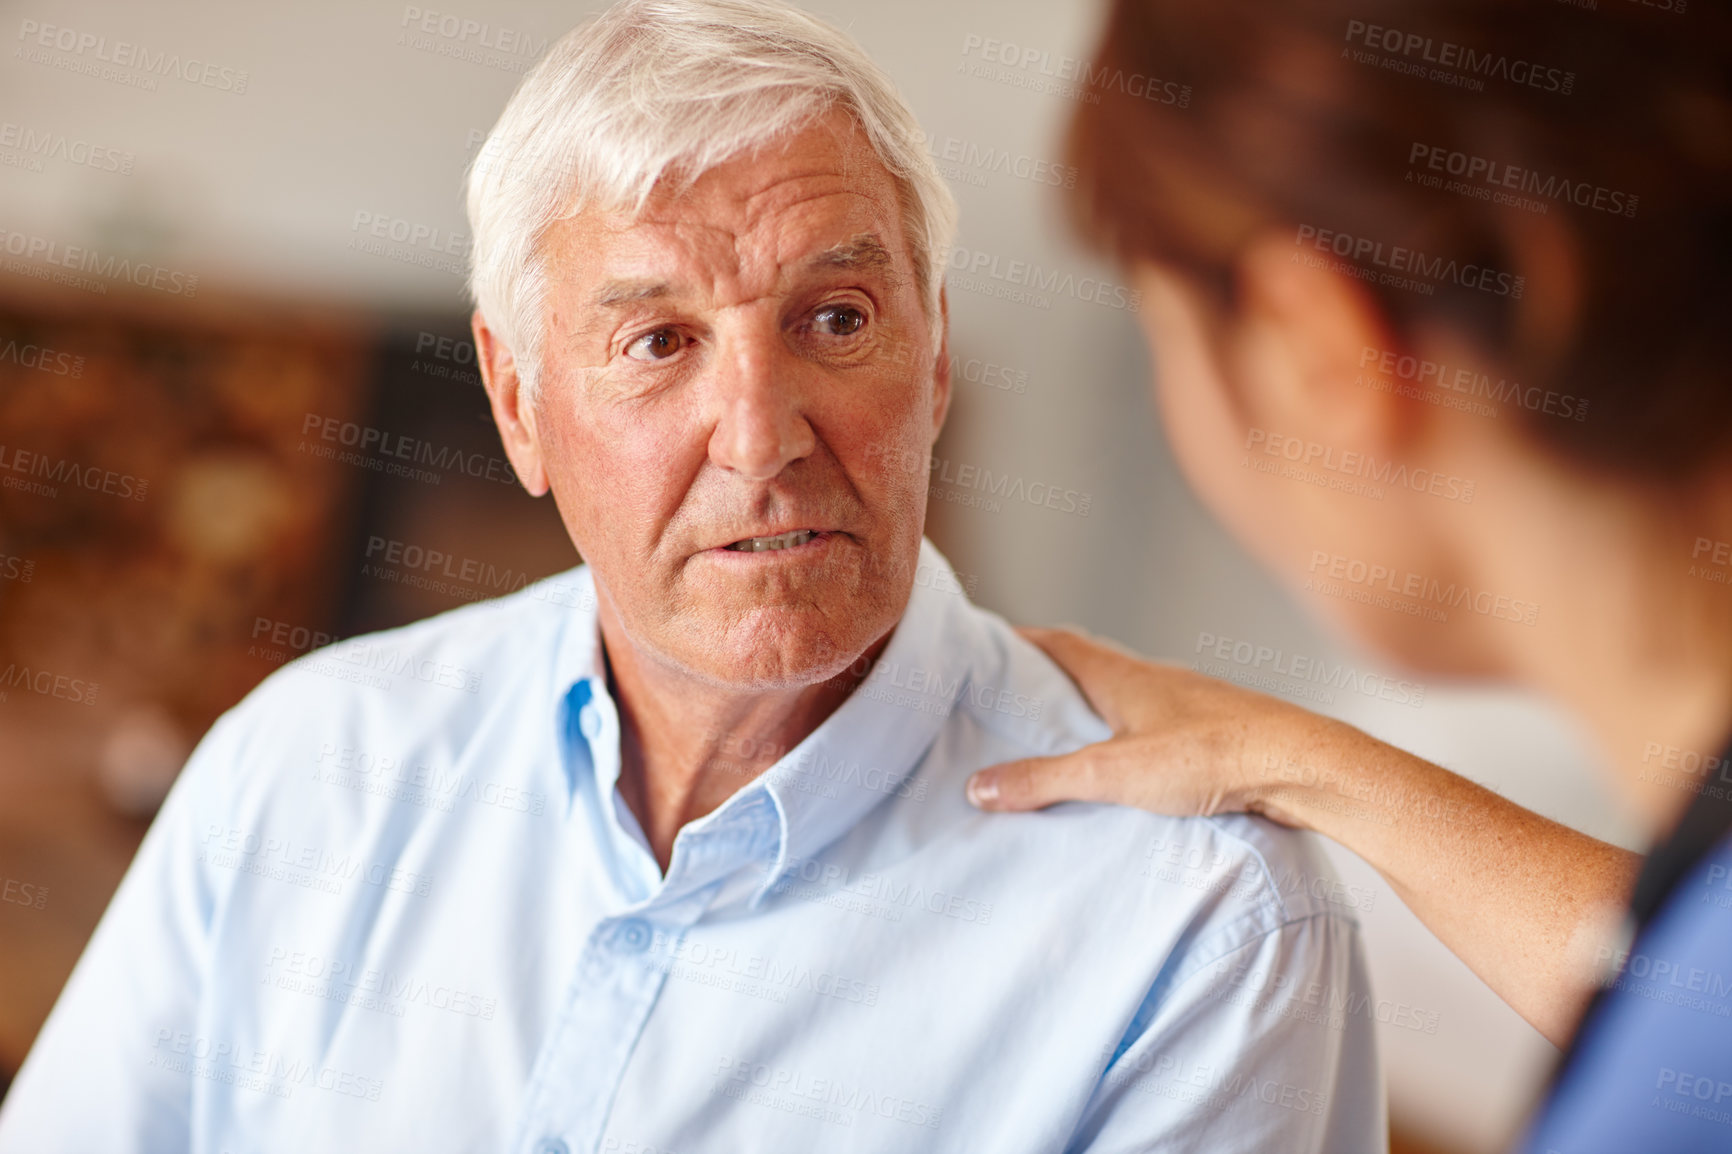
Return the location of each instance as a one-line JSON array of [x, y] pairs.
[[655, 89]]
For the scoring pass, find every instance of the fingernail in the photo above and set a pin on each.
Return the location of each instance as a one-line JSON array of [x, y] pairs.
[[982, 789]]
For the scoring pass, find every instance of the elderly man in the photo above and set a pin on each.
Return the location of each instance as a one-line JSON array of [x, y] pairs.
[[670, 853]]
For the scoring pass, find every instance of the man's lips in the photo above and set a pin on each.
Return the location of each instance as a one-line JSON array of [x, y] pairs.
[[778, 539], [775, 542]]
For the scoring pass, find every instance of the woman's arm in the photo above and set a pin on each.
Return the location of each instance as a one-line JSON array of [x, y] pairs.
[[1525, 902]]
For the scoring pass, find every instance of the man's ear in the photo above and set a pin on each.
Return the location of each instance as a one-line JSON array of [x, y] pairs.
[[1300, 350], [941, 367], [512, 410]]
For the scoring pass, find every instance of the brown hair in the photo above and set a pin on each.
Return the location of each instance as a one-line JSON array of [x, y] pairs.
[[1584, 148]]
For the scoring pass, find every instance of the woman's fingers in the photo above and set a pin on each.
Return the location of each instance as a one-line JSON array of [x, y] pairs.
[[1148, 773], [1123, 771], [1184, 743]]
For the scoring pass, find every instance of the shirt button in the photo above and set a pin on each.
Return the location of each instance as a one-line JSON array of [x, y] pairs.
[[589, 722], [552, 1146], [632, 936]]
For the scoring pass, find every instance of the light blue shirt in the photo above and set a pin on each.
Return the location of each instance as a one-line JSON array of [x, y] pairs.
[[396, 903]]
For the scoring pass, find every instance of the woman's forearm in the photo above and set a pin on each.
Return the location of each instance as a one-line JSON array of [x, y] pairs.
[[1524, 901]]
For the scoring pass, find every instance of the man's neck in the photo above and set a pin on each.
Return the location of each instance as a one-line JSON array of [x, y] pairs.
[[686, 745]]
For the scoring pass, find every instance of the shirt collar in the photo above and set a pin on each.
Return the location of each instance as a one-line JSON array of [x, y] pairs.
[[860, 755], [866, 751]]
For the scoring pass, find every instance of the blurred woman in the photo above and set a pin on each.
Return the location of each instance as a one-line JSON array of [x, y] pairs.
[[1438, 300]]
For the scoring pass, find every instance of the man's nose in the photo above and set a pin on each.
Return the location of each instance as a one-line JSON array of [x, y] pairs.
[[760, 422]]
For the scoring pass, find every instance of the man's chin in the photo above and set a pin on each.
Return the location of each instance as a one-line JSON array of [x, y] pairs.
[[775, 650]]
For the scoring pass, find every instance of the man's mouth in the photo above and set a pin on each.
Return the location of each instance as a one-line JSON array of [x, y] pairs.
[[787, 540]]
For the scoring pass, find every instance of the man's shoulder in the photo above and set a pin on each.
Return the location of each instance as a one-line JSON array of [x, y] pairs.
[[466, 652], [1017, 695], [386, 710], [1018, 703]]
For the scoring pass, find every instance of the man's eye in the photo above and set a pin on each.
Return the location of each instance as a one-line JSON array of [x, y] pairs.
[[839, 320], [655, 346]]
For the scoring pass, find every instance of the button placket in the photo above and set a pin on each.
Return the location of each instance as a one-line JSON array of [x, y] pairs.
[[618, 981]]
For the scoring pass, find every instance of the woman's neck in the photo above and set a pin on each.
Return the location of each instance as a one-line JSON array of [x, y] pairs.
[[1639, 622]]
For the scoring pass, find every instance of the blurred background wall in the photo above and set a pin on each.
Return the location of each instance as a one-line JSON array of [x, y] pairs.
[[239, 416]]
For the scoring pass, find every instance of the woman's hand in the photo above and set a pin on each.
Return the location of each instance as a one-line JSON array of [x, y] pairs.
[[1524, 901], [1184, 743]]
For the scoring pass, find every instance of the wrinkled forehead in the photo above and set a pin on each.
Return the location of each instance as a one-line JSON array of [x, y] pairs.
[[819, 198]]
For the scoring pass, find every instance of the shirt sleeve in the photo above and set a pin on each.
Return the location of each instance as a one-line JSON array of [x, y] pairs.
[[113, 1068], [1270, 1046]]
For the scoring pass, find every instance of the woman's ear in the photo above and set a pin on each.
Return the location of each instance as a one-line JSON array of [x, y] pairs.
[[1303, 349], [511, 404]]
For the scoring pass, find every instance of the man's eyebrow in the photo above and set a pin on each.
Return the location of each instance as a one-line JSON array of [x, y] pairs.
[[614, 293], [864, 252]]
